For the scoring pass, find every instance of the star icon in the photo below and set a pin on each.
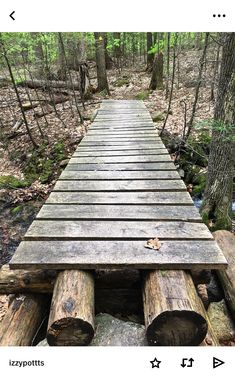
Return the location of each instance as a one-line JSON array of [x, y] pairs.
[[155, 363]]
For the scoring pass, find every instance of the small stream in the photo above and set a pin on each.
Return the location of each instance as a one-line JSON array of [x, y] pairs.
[[198, 203]]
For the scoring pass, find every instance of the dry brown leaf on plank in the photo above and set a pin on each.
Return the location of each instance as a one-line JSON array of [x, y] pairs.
[[153, 243]]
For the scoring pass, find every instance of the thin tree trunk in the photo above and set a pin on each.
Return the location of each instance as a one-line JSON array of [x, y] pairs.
[[212, 98], [217, 204], [150, 57], [199, 80], [168, 64], [172, 84], [17, 93]]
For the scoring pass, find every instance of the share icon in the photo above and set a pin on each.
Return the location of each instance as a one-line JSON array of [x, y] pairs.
[[217, 362]]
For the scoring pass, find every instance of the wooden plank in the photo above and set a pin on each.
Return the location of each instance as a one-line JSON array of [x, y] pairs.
[[118, 175], [121, 127], [124, 150], [154, 198], [119, 212], [122, 185], [123, 123], [117, 254], [113, 153], [166, 166], [132, 139], [123, 159], [108, 230], [136, 145], [123, 133]]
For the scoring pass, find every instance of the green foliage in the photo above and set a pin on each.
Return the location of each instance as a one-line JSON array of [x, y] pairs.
[[16, 210], [11, 182], [42, 164], [143, 95], [199, 188]]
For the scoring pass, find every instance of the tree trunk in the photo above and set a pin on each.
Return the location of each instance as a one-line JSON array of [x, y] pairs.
[[108, 59], [226, 242], [217, 204], [45, 84], [71, 321], [39, 55], [168, 64], [150, 56], [22, 320], [100, 62], [172, 309], [157, 73], [61, 61], [199, 80]]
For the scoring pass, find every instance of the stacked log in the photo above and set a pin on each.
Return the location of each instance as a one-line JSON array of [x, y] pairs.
[[22, 320], [226, 242], [71, 320], [173, 312]]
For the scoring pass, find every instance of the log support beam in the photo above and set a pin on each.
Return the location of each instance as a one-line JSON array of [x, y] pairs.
[[71, 320]]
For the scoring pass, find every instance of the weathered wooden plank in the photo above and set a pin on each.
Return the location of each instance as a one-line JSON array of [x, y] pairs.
[[124, 111], [119, 212], [123, 159], [136, 145], [122, 185], [118, 175], [133, 139], [119, 153], [117, 254], [143, 198], [123, 133], [124, 150], [127, 128], [123, 123], [166, 166], [108, 230]]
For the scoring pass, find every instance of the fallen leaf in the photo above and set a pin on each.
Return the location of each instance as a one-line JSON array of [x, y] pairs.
[[153, 243]]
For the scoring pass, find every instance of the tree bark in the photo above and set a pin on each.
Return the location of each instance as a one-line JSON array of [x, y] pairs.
[[22, 320], [172, 309], [217, 204], [108, 59], [150, 57], [100, 62], [21, 281], [226, 242], [199, 80], [157, 73], [71, 321]]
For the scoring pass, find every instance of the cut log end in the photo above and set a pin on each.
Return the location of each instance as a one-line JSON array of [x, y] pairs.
[[71, 321], [173, 312], [177, 328], [70, 332]]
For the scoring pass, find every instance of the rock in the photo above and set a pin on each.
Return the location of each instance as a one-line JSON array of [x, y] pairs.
[[193, 83], [64, 163], [111, 331], [221, 322], [157, 116], [43, 343], [214, 290], [181, 172]]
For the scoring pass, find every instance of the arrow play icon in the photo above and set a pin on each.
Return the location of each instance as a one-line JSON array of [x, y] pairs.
[[217, 362]]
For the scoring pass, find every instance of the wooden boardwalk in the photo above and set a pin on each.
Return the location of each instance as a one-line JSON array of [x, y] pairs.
[[119, 189]]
